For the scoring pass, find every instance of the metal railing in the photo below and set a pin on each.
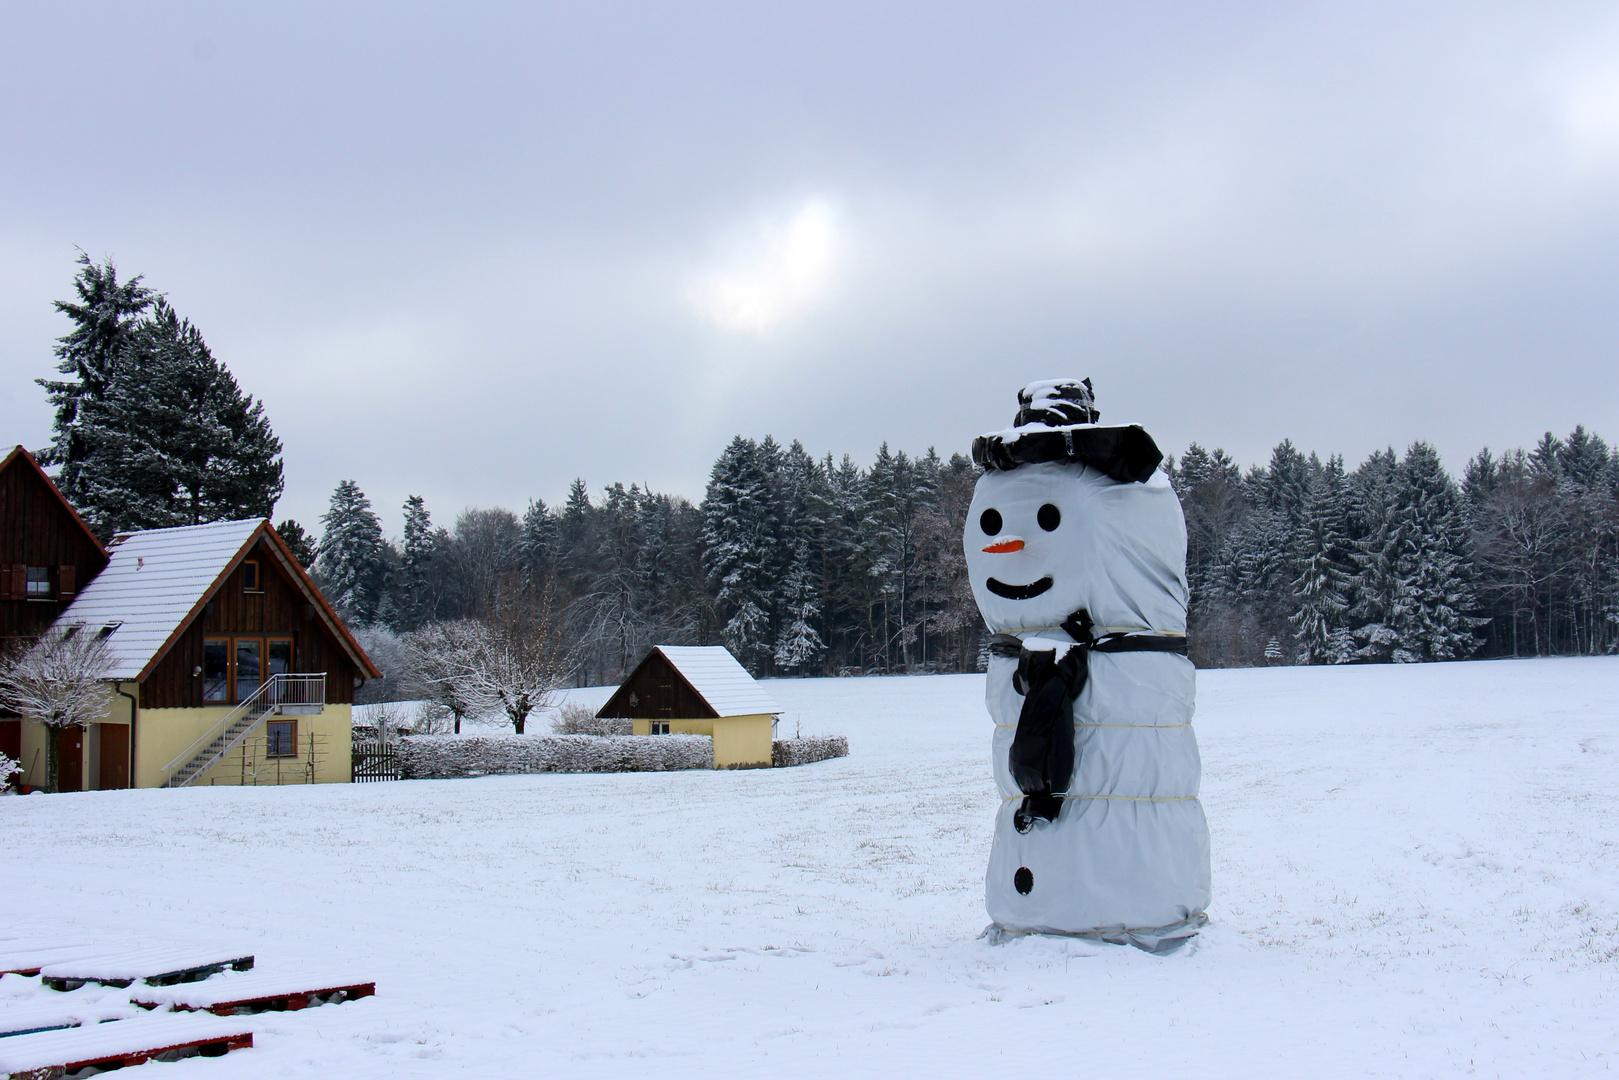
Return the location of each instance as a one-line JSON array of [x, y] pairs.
[[292, 693]]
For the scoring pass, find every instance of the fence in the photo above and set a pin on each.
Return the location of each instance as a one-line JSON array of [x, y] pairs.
[[375, 760]]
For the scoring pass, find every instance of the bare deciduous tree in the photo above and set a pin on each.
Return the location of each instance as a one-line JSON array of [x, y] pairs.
[[444, 658], [521, 663], [59, 680]]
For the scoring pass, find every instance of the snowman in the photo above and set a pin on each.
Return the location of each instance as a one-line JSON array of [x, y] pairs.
[[1076, 549]]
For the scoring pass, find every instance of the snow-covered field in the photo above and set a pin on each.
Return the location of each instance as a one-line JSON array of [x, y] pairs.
[[1416, 873]]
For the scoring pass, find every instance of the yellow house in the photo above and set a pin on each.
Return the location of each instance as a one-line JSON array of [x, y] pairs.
[[699, 690], [229, 667]]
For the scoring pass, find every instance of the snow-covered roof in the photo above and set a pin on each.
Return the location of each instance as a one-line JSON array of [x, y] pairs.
[[715, 674], [152, 582]]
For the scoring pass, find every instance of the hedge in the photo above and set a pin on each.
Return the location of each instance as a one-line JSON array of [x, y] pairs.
[[802, 751], [443, 757]]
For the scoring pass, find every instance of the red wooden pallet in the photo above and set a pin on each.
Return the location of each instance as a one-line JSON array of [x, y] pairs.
[[123, 1042], [259, 992]]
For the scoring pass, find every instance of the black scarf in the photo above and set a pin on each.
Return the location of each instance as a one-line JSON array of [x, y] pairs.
[[1042, 758]]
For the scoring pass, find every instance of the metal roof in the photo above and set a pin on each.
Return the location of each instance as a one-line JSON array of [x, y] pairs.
[[151, 583], [722, 682]]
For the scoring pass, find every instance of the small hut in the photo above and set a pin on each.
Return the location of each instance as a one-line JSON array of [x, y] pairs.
[[699, 690]]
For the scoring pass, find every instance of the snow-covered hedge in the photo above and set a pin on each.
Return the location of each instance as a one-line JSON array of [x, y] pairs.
[[576, 719], [802, 751], [442, 757]]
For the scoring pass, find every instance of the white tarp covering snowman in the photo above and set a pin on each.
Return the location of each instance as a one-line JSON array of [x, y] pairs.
[[1076, 548]]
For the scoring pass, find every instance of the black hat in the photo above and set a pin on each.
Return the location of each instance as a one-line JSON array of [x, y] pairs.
[[1056, 421]]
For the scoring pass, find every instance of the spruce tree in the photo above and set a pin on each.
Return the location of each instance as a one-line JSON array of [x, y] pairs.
[[413, 582], [538, 545], [799, 643], [1433, 614], [742, 531], [162, 435], [350, 555], [298, 541], [1321, 591], [104, 317]]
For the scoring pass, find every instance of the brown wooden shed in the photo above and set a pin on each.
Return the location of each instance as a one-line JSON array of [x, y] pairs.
[[699, 690]]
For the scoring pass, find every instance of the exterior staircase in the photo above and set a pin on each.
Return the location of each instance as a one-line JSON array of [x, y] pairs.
[[284, 693]]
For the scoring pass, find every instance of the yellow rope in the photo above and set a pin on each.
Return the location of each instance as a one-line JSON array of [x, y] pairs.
[[1114, 798], [1098, 631], [1159, 727]]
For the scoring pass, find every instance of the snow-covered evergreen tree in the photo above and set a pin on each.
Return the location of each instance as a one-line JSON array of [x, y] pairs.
[[104, 317], [413, 582], [538, 545], [1432, 614], [298, 541], [169, 438], [741, 527], [1321, 592], [802, 500], [350, 556]]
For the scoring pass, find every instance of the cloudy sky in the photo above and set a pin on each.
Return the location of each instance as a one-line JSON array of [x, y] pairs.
[[474, 251]]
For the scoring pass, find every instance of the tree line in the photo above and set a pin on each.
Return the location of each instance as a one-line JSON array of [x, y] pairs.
[[805, 565], [1301, 561], [821, 566]]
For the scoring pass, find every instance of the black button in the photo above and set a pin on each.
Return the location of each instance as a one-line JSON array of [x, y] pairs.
[[1023, 880]]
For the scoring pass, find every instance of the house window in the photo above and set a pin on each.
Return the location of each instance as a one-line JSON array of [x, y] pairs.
[[659, 727], [39, 582], [233, 669], [250, 576], [249, 667], [281, 739], [216, 669]]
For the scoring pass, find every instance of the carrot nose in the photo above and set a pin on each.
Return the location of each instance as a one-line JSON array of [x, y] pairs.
[[1005, 544]]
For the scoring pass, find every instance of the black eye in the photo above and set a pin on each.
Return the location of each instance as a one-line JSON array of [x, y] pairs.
[[990, 522], [1049, 517]]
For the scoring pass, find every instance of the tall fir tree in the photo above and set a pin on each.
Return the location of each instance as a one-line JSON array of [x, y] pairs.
[[1321, 592], [104, 318], [298, 541], [1432, 614], [350, 556], [162, 434], [742, 530], [414, 582]]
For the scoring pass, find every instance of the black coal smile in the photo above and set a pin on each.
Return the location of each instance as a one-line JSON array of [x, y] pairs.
[[1019, 592]]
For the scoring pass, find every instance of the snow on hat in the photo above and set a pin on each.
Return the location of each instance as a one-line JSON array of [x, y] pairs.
[[1056, 421], [1057, 402]]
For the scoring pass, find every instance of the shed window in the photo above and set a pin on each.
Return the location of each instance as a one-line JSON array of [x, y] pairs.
[[659, 727], [281, 739], [39, 582], [250, 576]]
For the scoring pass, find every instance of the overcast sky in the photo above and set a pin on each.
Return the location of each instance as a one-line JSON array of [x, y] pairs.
[[474, 251]]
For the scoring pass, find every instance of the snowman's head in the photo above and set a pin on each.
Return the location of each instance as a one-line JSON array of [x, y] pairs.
[[1023, 544], [1071, 515]]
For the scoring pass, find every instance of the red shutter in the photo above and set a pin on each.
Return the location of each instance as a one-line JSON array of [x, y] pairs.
[[5, 583], [65, 582], [15, 577]]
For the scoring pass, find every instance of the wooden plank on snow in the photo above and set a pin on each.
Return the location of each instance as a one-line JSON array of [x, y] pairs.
[[126, 1042]]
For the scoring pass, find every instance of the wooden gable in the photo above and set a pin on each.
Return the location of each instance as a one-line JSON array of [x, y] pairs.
[[655, 690], [39, 529], [280, 607]]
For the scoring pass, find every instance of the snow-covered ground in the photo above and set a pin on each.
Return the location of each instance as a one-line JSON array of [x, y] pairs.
[[1416, 873]]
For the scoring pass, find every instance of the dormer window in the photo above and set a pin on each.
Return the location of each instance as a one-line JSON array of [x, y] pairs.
[[250, 576], [39, 583]]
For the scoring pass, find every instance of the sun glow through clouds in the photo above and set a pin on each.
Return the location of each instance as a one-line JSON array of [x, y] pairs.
[[786, 268]]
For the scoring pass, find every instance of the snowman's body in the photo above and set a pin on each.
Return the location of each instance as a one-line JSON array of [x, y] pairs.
[[1127, 855]]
